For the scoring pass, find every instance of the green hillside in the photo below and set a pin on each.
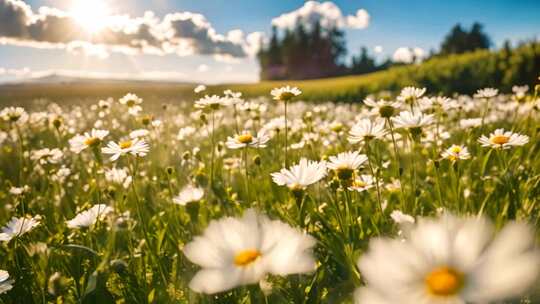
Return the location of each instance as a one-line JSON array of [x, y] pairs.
[[453, 74]]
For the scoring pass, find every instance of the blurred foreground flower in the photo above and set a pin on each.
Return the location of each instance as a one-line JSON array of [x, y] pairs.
[[18, 226], [89, 217], [241, 251], [5, 282], [450, 260]]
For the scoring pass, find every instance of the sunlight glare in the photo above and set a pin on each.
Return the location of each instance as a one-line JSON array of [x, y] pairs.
[[91, 15]]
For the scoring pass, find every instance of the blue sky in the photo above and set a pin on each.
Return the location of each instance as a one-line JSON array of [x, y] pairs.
[[392, 24]]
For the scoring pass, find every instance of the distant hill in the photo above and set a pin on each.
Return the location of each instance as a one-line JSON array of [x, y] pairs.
[[62, 79]]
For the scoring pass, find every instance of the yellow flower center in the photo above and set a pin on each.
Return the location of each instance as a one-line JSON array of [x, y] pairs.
[[130, 103], [359, 184], [444, 281], [126, 144], [244, 138], [500, 139], [246, 257], [285, 96], [91, 141], [456, 149]]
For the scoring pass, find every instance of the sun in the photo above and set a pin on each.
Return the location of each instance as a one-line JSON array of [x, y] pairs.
[[92, 15]]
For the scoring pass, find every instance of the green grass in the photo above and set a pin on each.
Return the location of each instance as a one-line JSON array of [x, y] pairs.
[[135, 255]]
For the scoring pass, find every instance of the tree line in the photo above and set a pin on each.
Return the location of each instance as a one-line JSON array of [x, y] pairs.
[[309, 52]]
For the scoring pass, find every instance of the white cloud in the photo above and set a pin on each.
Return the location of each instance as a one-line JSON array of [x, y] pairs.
[[203, 68], [181, 33], [378, 49], [328, 14], [408, 55]]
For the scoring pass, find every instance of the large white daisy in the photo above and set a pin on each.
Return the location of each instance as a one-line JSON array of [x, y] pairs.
[[449, 261], [240, 251]]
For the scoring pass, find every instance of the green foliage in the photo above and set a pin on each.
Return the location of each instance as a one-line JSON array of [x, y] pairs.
[[463, 73]]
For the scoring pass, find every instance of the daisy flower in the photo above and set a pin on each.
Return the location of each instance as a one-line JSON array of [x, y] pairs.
[[133, 102], [5, 283], [501, 139], [386, 109], [346, 163], [47, 156], [285, 93], [136, 147], [199, 88], [89, 217], [185, 132], [80, 142], [241, 251], [409, 94], [245, 139], [139, 133], [401, 218], [366, 130], [18, 226], [362, 183], [189, 194], [14, 114], [412, 121], [467, 123], [455, 153], [486, 93], [450, 260], [118, 176], [301, 175], [213, 102]]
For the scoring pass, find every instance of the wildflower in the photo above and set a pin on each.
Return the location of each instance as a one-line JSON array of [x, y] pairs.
[[189, 194], [14, 114], [213, 102], [501, 139], [450, 260], [18, 226], [139, 133], [89, 217], [520, 92], [199, 88], [5, 283], [346, 163], [409, 95], [412, 121], [92, 139], [285, 93], [133, 102], [299, 176], [47, 156], [136, 147], [241, 251], [386, 109], [362, 183], [470, 123], [455, 153], [118, 176], [245, 139], [185, 132], [19, 190], [486, 93], [366, 130], [401, 218]]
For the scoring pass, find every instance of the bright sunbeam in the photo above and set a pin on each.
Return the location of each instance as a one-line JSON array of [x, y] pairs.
[[90, 14]]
